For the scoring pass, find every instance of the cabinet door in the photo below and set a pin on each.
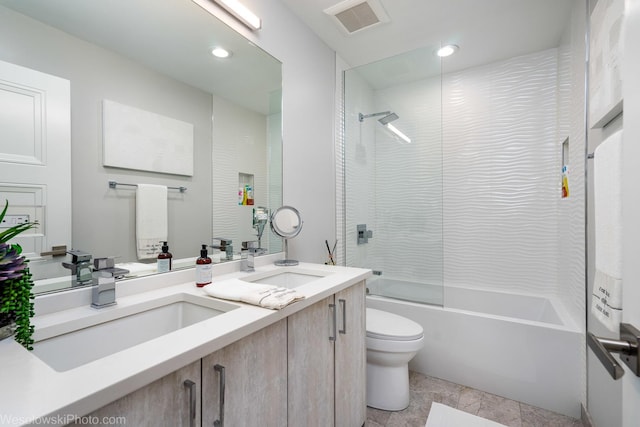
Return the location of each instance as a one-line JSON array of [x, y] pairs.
[[311, 364], [351, 357], [254, 373], [165, 402]]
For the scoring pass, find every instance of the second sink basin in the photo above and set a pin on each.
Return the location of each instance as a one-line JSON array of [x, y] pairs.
[[288, 277], [109, 332]]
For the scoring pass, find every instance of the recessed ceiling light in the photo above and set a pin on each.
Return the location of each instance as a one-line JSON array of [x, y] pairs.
[[447, 50], [220, 52]]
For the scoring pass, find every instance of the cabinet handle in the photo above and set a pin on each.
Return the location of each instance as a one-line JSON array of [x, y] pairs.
[[343, 307], [192, 402], [220, 421], [332, 309]]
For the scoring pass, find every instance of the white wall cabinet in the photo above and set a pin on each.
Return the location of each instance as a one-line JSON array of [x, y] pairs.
[[327, 361]]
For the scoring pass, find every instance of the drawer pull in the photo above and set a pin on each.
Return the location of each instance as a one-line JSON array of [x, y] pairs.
[[220, 421]]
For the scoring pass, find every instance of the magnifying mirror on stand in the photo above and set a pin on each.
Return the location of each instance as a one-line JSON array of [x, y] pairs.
[[286, 222]]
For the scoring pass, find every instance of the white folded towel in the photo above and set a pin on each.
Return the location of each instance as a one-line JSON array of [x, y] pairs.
[[267, 296], [151, 219], [607, 284]]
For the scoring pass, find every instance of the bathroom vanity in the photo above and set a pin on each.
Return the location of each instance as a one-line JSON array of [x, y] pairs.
[[305, 363]]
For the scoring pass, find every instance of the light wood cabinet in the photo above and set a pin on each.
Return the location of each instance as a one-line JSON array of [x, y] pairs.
[[327, 361], [351, 358], [306, 370], [253, 374], [166, 402], [310, 366]]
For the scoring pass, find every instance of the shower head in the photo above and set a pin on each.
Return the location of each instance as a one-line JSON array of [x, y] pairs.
[[385, 120], [388, 118]]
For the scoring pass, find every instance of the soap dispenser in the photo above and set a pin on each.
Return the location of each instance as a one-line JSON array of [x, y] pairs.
[[204, 268], [165, 259]]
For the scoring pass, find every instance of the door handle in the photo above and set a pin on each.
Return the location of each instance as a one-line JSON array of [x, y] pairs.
[[627, 346], [60, 250]]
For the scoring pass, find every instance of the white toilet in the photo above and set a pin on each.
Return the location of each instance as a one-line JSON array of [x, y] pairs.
[[392, 341]]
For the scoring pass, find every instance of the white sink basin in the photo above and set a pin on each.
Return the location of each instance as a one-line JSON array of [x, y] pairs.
[[77, 342], [288, 277]]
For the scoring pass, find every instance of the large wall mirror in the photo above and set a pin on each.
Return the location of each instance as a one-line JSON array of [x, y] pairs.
[[152, 62]]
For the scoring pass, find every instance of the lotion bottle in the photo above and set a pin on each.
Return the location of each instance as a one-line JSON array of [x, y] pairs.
[[165, 259], [204, 268]]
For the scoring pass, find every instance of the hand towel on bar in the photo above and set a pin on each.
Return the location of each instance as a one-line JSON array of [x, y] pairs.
[[607, 180], [151, 219], [267, 296]]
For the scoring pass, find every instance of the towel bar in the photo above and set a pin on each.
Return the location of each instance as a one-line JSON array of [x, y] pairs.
[[114, 184]]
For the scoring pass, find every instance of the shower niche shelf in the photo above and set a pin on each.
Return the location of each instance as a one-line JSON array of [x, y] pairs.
[[246, 195]]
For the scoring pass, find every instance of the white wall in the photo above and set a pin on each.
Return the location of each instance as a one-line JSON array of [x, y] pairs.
[[571, 125], [308, 121], [572, 210]]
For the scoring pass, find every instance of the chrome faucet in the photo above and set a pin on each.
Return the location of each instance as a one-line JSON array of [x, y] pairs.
[[104, 289], [103, 293], [225, 246], [80, 266], [250, 250]]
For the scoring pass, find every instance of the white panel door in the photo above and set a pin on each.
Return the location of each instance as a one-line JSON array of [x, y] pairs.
[[631, 201], [35, 154]]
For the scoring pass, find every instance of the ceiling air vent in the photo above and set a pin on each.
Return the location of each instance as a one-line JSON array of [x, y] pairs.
[[356, 15]]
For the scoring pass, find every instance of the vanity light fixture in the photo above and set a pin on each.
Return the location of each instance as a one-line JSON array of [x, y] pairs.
[[395, 130], [235, 8], [447, 50], [220, 52]]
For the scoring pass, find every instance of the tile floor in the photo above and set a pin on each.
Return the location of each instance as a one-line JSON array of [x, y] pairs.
[[425, 389]]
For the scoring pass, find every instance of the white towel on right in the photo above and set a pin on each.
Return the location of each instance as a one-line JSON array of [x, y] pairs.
[[151, 219], [607, 284], [267, 296]]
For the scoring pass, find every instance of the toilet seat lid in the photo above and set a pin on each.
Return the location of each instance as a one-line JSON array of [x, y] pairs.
[[383, 325]]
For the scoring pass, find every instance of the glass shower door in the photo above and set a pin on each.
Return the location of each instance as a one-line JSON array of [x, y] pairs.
[[393, 175]]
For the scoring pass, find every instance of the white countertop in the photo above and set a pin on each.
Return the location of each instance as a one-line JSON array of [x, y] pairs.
[[32, 391]]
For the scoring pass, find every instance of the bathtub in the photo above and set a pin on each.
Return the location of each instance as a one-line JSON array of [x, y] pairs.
[[523, 347]]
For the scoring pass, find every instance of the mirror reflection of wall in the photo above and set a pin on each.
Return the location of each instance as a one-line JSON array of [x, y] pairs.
[[228, 138]]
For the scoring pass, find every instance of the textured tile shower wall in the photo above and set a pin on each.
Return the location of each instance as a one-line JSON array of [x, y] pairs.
[[501, 182]]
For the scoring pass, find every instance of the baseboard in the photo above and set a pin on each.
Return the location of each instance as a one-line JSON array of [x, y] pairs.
[[585, 417]]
